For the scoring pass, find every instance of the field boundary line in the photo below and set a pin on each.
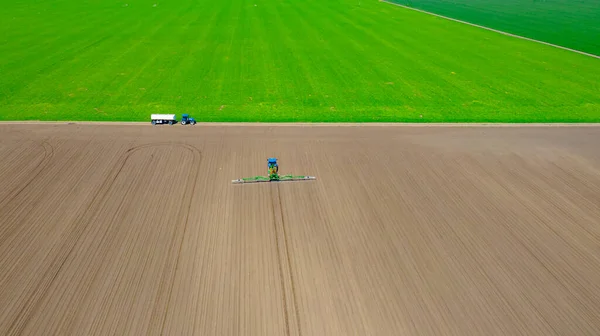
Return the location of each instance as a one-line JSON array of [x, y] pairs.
[[492, 29], [307, 124]]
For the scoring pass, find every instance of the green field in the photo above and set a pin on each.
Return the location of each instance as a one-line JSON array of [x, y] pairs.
[[568, 23], [278, 60]]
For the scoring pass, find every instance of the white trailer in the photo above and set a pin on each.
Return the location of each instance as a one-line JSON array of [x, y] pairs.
[[163, 119]]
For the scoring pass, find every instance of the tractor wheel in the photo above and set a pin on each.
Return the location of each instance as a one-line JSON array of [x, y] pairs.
[[183, 122], [194, 122]]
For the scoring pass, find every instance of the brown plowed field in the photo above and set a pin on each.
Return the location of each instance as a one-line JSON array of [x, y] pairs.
[[137, 230]]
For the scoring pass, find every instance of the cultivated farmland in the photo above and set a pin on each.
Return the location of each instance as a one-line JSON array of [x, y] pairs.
[[268, 60], [137, 230], [571, 24]]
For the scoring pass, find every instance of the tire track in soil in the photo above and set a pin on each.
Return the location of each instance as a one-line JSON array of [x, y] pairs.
[[31, 305], [290, 301], [196, 162], [422, 247], [37, 170]]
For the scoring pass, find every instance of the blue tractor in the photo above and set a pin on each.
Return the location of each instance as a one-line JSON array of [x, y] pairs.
[[186, 119], [273, 169]]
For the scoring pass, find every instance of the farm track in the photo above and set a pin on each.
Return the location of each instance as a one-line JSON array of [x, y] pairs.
[[30, 175], [431, 231]]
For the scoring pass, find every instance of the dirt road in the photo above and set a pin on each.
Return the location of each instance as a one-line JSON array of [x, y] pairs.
[[136, 230]]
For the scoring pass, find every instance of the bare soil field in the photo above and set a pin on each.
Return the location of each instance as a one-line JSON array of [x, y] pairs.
[[137, 230]]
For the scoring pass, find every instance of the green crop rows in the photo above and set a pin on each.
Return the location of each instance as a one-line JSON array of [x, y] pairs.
[[278, 60], [568, 23]]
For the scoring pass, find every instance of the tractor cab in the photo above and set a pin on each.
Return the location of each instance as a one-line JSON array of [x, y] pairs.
[[273, 168], [186, 119]]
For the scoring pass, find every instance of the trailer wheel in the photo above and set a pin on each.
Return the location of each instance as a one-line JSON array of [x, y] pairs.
[[153, 122], [170, 122]]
